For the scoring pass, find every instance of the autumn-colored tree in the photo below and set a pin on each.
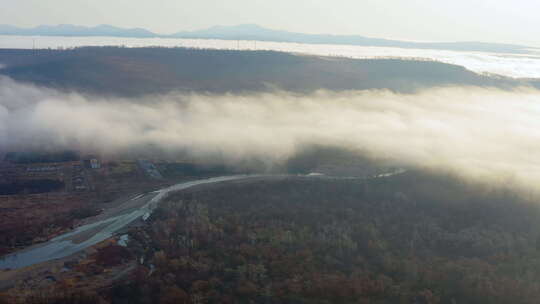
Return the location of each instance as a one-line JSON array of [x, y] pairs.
[[174, 295]]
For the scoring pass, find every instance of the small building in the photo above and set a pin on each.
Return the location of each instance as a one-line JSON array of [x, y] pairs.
[[94, 164]]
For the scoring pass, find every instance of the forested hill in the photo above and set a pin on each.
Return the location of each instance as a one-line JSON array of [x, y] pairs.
[[140, 71]]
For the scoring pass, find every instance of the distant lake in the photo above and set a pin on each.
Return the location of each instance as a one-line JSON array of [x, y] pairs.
[[512, 65]]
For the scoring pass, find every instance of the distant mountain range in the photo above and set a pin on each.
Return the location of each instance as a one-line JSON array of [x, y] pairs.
[[255, 32], [75, 30]]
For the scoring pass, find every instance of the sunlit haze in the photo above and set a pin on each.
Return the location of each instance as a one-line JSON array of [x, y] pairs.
[[460, 20], [255, 152]]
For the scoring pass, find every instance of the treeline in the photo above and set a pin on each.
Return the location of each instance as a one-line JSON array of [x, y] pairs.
[[176, 170], [31, 186], [41, 157]]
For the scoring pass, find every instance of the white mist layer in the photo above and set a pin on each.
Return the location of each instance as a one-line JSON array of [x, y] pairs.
[[485, 134], [511, 65]]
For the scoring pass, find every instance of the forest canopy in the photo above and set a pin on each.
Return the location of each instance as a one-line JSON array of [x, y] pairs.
[[411, 238]]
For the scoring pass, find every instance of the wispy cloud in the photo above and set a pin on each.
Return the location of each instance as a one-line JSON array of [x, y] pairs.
[[485, 134]]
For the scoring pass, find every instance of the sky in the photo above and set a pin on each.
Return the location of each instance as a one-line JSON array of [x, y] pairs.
[[417, 20]]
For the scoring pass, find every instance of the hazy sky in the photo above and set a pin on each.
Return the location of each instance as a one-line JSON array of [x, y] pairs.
[[513, 21]]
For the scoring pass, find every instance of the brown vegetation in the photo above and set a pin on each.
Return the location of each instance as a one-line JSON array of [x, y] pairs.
[[414, 238], [411, 238]]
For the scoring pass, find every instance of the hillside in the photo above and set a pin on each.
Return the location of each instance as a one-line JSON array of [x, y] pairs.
[[140, 71]]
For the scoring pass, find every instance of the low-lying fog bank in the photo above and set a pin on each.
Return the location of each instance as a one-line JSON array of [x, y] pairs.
[[484, 134]]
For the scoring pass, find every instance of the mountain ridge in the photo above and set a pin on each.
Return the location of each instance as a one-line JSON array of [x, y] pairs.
[[256, 32]]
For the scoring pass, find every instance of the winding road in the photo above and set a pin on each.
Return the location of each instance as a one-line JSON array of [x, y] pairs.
[[88, 235], [111, 222]]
